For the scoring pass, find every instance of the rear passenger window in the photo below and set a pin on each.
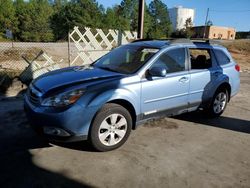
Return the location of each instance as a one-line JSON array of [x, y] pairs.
[[200, 58], [221, 57], [172, 60]]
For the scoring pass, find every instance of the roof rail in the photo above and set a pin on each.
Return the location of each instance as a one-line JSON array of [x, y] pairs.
[[212, 41], [194, 40], [207, 41], [182, 40], [179, 40], [141, 40]]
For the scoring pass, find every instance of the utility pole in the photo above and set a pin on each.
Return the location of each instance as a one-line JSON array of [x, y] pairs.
[[140, 19], [205, 29]]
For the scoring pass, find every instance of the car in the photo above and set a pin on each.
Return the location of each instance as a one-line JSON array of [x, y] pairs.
[[146, 79]]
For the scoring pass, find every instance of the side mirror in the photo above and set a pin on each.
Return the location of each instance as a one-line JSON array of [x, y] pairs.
[[157, 71]]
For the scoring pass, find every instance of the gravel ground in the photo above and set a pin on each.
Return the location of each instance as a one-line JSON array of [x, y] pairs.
[[184, 151]]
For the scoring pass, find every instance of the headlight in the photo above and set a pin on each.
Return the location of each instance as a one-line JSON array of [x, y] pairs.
[[63, 99]]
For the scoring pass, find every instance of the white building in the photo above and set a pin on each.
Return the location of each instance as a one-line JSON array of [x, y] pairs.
[[178, 16]]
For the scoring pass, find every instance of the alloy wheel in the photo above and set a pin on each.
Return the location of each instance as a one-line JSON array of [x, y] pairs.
[[220, 102], [112, 129]]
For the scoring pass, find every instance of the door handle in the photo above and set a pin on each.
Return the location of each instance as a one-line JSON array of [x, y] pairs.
[[183, 79]]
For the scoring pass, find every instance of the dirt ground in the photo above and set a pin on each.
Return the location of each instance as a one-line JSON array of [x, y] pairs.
[[240, 50], [184, 151]]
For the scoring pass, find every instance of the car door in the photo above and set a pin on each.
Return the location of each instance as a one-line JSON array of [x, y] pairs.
[[202, 73], [167, 94]]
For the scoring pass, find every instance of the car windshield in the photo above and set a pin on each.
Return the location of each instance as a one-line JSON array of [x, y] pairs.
[[126, 59]]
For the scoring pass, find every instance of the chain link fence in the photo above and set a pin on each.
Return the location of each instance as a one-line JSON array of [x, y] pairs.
[[28, 60]]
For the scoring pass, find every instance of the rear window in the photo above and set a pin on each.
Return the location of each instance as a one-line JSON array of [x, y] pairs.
[[221, 57]]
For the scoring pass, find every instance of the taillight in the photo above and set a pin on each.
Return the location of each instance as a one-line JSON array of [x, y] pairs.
[[237, 67]]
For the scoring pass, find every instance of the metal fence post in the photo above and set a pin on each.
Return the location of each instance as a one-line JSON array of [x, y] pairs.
[[119, 37], [69, 55]]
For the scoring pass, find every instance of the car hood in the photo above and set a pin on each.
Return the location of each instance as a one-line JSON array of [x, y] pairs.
[[70, 76]]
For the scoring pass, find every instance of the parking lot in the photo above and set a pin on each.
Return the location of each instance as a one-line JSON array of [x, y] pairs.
[[184, 151]]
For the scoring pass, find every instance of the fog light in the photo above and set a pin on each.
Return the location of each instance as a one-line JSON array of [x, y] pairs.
[[55, 131]]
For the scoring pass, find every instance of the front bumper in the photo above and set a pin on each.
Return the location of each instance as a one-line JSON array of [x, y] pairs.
[[74, 120]]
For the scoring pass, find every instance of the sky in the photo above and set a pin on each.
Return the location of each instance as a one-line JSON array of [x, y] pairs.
[[228, 13]]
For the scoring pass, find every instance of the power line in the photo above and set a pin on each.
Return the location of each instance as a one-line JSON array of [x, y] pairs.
[[229, 10]]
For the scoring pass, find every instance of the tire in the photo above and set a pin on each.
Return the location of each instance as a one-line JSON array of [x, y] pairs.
[[218, 103], [111, 127]]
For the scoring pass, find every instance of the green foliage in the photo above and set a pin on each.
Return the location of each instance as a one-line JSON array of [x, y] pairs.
[[76, 13], [114, 19], [49, 20], [186, 32], [242, 34], [7, 16], [33, 17], [130, 11], [161, 25], [110, 19], [188, 28], [209, 23]]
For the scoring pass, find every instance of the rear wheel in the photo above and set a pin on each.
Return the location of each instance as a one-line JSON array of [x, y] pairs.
[[110, 128], [219, 103]]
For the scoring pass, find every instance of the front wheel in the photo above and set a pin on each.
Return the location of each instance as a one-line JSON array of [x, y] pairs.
[[111, 127], [219, 103]]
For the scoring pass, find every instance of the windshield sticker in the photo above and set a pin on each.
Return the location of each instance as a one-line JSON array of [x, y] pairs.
[[150, 50]]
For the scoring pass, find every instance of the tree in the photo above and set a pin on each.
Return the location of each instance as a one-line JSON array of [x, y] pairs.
[[7, 16], [188, 28], [113, 19], [80, 13], [209, 23], [186, 32], [125, 16], [57, 5], [129, 10], [47, 20], [34, 20], [161, 25], [110, 18]]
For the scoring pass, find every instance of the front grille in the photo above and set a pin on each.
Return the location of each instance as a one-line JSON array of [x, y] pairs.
[[34, 95]]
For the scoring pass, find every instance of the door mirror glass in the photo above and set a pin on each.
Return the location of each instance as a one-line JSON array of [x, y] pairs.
[[157, 71]]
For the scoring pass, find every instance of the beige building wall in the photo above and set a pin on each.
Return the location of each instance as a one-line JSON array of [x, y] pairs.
[[214, 32]]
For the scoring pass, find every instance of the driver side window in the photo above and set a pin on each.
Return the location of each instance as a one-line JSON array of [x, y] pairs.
[[173, 60]]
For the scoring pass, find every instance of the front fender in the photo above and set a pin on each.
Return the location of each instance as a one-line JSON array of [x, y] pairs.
[[117, 94]]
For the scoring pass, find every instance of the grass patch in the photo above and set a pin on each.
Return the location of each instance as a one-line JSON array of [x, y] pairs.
[[238, 46], [4, 39], [240, 51]]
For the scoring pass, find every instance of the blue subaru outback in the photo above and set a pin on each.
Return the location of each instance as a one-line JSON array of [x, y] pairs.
[[133, 83]]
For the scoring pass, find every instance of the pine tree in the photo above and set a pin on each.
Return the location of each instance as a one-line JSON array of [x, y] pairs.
[[161, 25], [7, 16], [34, 20], [82, 13]]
